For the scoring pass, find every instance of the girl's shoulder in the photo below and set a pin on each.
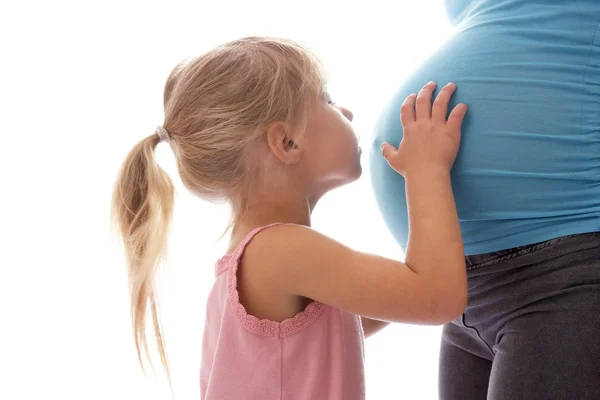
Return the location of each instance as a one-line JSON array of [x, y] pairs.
[[257, 283]]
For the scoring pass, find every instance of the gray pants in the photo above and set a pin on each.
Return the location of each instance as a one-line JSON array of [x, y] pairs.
[[531, 329]]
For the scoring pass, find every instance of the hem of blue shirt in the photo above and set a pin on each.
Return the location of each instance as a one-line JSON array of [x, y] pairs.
[[527, 238]]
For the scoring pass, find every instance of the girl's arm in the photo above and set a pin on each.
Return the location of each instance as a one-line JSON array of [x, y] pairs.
[[430, 289], [372, 326], [431, 286]]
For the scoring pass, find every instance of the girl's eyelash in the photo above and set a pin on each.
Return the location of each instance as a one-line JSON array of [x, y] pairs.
[[328, 98]]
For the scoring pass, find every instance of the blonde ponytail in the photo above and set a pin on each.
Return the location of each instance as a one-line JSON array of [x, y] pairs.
[[142, 207]]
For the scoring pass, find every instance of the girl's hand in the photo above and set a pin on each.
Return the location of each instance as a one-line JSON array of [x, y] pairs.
[[430, 140]]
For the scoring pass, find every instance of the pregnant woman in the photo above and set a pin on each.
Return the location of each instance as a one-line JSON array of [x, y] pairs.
[[527, 189]]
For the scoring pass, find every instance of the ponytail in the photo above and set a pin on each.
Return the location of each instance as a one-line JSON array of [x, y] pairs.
[[141, 213]]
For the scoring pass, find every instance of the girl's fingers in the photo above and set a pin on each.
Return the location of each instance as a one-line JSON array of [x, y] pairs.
[[440, 105], [456, 117], [407, 111], [424, 101]]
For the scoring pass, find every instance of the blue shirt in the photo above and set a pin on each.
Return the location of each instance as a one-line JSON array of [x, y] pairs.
[[528, 169]]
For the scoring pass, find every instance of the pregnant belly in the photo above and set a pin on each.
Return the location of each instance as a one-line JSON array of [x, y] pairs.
[[528, 166]]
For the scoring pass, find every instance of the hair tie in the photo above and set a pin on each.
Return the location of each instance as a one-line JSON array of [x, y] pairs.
[[162, 133]]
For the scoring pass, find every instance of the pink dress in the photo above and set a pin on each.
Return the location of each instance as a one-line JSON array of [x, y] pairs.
[[318, 354]]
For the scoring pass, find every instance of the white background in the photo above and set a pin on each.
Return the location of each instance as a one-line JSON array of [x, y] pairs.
[[80, 83]]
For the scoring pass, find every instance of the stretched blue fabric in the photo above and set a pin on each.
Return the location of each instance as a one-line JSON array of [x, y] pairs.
[[528, 169]]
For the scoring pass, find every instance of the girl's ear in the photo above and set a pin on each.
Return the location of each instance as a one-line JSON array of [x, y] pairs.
[[282, 144]]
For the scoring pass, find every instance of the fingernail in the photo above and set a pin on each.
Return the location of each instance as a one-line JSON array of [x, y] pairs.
[[451, 84], [382, 146]]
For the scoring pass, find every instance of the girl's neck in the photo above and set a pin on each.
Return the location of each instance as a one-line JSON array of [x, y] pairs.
[[266, 214]]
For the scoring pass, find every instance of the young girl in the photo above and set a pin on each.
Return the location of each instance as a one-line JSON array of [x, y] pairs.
[[251, 123]]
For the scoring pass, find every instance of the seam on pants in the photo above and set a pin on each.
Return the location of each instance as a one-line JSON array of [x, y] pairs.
[[478, 334]]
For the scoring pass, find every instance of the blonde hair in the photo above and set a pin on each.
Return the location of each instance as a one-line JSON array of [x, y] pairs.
[[217, 108]]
